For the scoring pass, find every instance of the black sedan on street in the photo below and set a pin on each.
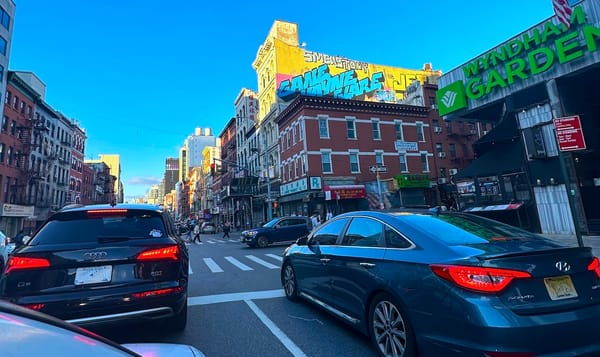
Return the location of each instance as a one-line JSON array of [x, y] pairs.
[[449, 284], [102, 264]]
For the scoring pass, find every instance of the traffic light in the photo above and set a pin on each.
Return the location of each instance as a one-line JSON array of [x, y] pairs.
[[212, 168]]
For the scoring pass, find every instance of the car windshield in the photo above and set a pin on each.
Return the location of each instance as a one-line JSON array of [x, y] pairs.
[[271, 223], [454, 229]]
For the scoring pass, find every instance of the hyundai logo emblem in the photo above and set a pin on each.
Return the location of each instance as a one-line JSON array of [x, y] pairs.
[[95, 255], [563, 266]]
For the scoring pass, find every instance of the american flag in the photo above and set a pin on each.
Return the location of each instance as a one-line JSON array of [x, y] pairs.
[[562, 9]]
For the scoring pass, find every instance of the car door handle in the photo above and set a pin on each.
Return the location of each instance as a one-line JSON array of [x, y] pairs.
[[367, 265], [325, 260]]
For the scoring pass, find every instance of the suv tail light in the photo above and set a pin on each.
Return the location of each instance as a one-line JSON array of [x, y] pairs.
[[595, 266], [164, 253], [481, 279], [21, 263]]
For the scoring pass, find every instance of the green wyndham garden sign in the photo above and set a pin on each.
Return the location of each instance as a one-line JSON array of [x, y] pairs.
[[519, 59]]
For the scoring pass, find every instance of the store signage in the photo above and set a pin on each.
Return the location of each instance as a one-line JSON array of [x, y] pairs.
[[406, 145], [293, 187], [345, 192], [519, 59], [10, 210], [413, 181], [569, 133]]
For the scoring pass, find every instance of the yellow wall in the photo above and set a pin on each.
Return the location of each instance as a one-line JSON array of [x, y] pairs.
[[114, 164]]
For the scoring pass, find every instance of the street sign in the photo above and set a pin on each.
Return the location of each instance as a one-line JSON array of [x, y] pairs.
[[406, 145], [377, 168], [569, 133]]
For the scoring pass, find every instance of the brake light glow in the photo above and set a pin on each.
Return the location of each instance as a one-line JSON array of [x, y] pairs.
[[165, 253], [99, 213], [35, 306], [595, 266], [480, 279], [160, 292], [20, 263]]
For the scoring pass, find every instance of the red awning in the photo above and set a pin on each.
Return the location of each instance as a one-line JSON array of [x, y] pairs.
[[343, 192]]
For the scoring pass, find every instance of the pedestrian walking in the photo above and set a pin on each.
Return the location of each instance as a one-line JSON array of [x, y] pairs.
[[226, 229], [196, 233], [315, 220], [328, 216]]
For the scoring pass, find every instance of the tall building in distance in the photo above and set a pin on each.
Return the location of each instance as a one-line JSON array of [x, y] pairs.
[[113, 161], [190, 155], [171, 174]]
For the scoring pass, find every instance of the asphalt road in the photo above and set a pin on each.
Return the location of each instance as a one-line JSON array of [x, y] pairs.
[[237, 308]]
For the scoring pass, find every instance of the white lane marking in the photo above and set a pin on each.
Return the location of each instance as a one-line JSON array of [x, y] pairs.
[[262, 262], [212, 265], [212, 242], [275, 256], [190, 269], [251, 295], [276, 331], [238, 264]]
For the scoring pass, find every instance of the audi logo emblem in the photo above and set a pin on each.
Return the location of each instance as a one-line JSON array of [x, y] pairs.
[[563, 266], [95, 255]]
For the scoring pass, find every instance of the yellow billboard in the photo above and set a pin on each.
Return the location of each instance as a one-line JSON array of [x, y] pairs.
[[299, 71]]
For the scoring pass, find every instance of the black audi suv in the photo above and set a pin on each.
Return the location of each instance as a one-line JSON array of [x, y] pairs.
[[103, 264]]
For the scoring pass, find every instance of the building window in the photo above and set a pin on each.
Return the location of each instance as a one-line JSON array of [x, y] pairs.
[[3, 45], [354, 168], [424, 162], [7, 97], [351, 128], [399, 133], [452, 150], [4, 18], [420, 135], [294, 135], [438, 148], [9, 156], [326, 162], [15, 102], [6, 189], [379, 158], [449, 127], [376, 131], [301, 130], [403, 164], [323, 127], [22, 107], [296, 163], [4, 123], [13, 127], [303, 164]]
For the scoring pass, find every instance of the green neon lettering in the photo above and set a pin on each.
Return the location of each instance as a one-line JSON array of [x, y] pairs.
[[533, 41], [513, 48], [494, 80], [540, 60], [550, 30], [578, 16], [591, 34], [498, 56], [471, 69], [564, 45], [516, 68], [474, 88]]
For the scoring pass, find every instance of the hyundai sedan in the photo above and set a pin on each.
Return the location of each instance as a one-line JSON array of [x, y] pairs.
[[102, 264], [448, 284]]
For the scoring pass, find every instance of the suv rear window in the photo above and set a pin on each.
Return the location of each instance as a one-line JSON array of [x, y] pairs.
[[77, 227]]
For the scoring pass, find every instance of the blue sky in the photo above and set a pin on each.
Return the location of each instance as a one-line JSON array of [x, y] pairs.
[[140, 75]]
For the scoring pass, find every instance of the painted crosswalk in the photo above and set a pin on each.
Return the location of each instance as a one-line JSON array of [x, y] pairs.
[[243, 263]]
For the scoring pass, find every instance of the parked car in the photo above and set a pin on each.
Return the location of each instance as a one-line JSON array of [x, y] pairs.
[[48, 336], [448, 284], [102, 264], [208, 228], [6, 247], [278, 230]]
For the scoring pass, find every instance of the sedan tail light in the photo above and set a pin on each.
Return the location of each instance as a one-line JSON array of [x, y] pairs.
[[481, 279], [165, 253], [595, 266], [21, 263]]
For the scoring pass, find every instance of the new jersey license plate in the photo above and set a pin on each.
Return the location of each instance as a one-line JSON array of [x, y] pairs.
[[560, 287], [93, 275]]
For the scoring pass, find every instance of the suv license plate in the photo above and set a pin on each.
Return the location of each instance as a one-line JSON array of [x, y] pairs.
[[93, 275], [560, 287]]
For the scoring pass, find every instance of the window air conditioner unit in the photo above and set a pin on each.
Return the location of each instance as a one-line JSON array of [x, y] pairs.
[[442, 154], [453, 171], [434, 106], [442, 180], [437, 129]]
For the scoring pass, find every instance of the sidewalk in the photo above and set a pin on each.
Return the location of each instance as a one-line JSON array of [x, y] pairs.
[[571, 240]]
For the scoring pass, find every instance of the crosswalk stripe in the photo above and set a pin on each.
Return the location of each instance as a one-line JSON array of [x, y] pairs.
[[238, 264], [262, 262], [275, 256], [212, 265]]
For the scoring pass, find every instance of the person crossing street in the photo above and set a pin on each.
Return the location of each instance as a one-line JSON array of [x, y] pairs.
[[226, 229], [196, 237]]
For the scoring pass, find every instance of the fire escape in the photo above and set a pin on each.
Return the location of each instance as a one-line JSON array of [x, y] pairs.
[[31, 174]]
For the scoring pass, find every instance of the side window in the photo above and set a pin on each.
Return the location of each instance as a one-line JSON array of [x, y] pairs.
[[283, 223], [395, 240], [327, 234], [364, 232]]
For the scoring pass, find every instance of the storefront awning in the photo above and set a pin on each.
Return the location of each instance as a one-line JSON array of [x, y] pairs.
[[344, 192], [508, 206], [505, 158]]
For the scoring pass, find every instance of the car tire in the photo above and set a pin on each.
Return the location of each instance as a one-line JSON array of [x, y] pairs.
[[289, 282], [262, 242], [389, 329], [178, 322]]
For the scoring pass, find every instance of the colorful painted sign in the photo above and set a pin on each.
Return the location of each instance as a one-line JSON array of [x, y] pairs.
[[413, 181], [300, 71], [524, 57], [343, 192], [569, 133]]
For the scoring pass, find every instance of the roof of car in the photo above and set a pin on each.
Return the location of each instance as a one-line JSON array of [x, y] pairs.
[[143, 206]]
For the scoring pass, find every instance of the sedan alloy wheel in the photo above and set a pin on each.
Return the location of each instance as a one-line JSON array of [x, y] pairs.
[[289, 282], [389, 329]]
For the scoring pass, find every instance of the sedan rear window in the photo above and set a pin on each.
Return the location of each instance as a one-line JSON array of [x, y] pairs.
[[79, 228]]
